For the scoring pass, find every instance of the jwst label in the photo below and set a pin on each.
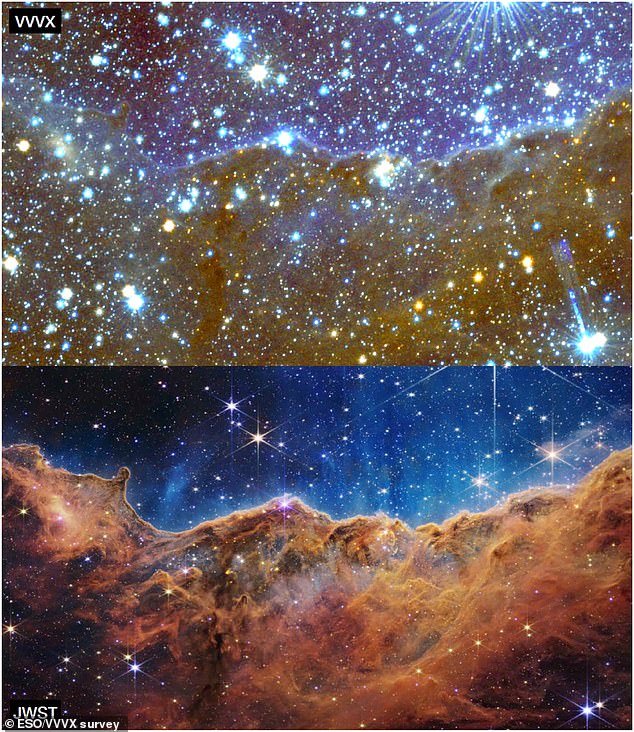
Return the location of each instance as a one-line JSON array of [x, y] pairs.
[[47, 714], [35, 20]]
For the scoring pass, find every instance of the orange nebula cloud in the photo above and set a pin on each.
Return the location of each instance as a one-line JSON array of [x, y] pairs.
[[280, 617]]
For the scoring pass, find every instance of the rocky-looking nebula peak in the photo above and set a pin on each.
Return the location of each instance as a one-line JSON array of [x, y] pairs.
[[281, 617]]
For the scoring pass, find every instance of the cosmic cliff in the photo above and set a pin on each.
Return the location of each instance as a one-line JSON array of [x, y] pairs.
[[280, 617], [508, 252]]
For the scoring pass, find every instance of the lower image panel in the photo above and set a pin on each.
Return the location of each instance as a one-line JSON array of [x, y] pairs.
[[318, 547]]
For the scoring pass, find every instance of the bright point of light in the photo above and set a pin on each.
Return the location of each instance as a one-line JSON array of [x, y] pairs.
[[478, 277], [232, 406], [231, 41], [185, 206], [481, 114], [97, 60], [552, 89], [66, 293], [133, 299], [587, 710], [11, 264], [24, 146], [284, 139], [241, 194], [87, 193], [135, 302], [385, 167], [588, 343], [363, 359], [384, 171], [169, 225], [258, 72]]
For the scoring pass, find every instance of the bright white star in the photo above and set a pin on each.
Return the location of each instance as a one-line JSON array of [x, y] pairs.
[[231, 41], [258, 73], [589, 343]]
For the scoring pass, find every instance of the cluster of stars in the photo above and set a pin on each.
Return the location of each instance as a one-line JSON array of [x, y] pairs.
[[323, 229]]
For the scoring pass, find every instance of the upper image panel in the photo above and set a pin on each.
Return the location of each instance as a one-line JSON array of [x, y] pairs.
[[340, 183]]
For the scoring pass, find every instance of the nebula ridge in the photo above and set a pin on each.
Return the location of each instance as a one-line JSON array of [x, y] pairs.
[[279, 616]]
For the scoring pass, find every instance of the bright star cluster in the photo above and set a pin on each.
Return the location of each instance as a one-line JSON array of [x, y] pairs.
[[418, 443], [309, 183]]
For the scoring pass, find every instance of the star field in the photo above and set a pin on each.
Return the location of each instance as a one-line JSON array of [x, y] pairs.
[[319, 184], [415, 79], [417, 443]]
